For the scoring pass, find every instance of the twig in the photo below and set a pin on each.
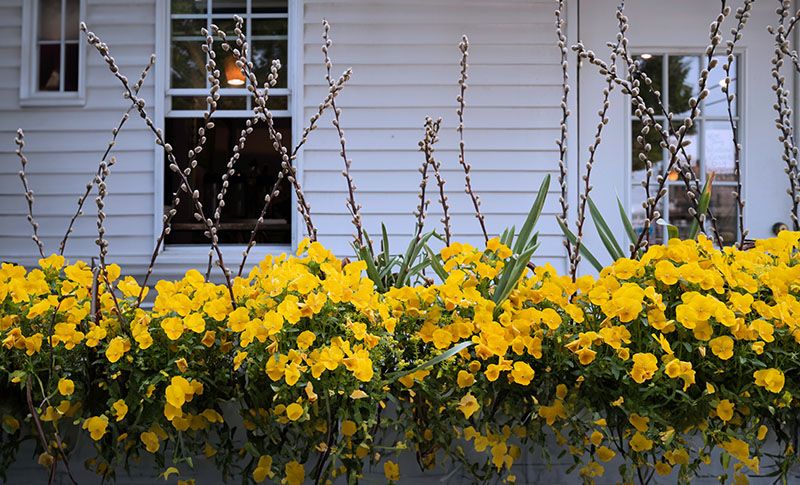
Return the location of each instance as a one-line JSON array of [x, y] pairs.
[[561, 142], [584, 197], [114, 133], [783, 108], [101, 241], [742, 15], [185, 185], [20, 142], [352, 206], [462, 160], [425, 146], [431, 137]]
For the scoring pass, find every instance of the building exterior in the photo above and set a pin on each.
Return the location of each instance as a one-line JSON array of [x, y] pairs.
[[405, 61]]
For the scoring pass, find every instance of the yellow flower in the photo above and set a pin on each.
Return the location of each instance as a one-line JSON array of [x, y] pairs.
[[644, 366], [666, 272], [194, 322], [97, 426], [722, 347], [117, 348], [349, 428], [173, 327], [294, 411], [762, 432], [295, 473], [66, 387], [465, 379], [663, 469], [263, 468], [641, 423], [468, 405], [770, 379], [391, 470], [522, 373], [639, 442], [238, 359], [605, 453], [305, 340], [120, 409], [442, 338], [725, 410], [150, 440]]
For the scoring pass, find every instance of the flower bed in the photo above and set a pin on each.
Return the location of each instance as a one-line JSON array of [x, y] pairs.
[[659, 362]]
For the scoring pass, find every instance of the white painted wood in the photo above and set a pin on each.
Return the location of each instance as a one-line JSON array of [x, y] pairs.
[[405, 59], [667, 27]]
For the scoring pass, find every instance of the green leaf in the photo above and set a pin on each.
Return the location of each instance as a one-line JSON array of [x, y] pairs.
[[436, 265], [606, 236], [509, 279], [372, 271], [533, 216], [672, 231], [702, 205], [626, 222], [584, 250], [385, 242], [430, 363]]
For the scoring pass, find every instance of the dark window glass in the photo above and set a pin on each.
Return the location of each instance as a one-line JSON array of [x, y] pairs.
[[256, 172]]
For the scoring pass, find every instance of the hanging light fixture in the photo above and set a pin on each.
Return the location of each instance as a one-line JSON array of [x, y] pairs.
[[233, 73]]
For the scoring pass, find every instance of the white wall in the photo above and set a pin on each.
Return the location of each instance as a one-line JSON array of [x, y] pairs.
[[64, 144], [405, 61]]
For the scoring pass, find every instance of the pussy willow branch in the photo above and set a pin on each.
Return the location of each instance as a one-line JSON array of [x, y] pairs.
[[101, 241], [352, 206], [561, 142], [440, 181], [675, 149], [603, 114], [646, 115], [23, 176], [211, 102], [114, 133], [462, 159], [784, 120], [742, 15], [185, 185], [247, 68], [426, 147]]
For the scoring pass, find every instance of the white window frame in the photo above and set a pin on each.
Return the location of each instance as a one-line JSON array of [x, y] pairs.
[[29, 94], [187, 255], [739, 118]]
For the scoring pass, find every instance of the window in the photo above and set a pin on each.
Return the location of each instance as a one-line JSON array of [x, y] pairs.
[[711, 147], [52, 53], [267, 27]]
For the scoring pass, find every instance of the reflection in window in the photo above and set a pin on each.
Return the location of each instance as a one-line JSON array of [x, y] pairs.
[[57, 45], [266, 24], [711, 148]]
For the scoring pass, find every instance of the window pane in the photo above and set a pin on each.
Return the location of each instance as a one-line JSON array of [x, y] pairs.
[[683, 72], [71, 67], [49, 67], [679, 208], [269, 27], [691, 151], [189, 6], [73, 20], [652, 66], [716, 104], [229, 6], [263, 53], [50, 20], [270, 6], [188, 28], [188, 65], [719, 152], [256, 172], [723, 205]]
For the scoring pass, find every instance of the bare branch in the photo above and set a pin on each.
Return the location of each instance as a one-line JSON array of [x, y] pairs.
[[19, 140]]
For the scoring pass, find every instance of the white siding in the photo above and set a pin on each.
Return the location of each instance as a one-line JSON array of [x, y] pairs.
[[405, 62], [64, 144]]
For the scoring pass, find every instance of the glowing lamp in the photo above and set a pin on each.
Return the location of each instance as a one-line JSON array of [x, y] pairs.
[[233, 74]]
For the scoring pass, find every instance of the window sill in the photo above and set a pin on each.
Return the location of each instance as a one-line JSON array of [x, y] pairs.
[[52, 101], [181, 258]]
